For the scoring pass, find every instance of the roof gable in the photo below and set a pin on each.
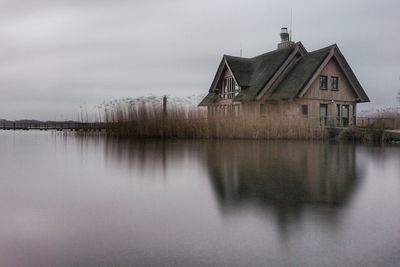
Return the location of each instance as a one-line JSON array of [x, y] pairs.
[[345, 91], [254, 73], [251, 74], [220, 71], [307, 69], [300, 74], [341, 60]]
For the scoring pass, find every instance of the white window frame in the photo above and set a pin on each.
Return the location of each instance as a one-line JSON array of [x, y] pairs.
[[229, 88]]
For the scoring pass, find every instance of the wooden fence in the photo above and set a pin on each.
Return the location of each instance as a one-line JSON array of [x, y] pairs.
[[379, 122]]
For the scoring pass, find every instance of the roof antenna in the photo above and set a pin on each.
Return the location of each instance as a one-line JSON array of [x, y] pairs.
[[241, 49], [291, 24]]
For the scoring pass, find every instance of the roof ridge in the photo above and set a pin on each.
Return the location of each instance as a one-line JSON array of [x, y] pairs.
[[329, 47], [273, 51], [235, 57], [263, 54]]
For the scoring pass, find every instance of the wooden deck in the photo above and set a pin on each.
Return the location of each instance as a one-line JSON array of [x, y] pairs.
[[55, 126]]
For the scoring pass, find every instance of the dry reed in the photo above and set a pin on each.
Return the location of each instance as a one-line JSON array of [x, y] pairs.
[[145, 118], [381, 119]]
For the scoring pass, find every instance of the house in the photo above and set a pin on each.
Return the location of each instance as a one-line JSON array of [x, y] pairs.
[[317, 86]]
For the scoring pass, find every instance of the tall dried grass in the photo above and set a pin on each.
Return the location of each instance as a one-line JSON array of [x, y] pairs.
[[381, 119], [145, 118]]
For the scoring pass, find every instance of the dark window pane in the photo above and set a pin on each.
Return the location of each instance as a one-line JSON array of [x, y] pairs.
[[323, 82], [323, 110], [335, 83]]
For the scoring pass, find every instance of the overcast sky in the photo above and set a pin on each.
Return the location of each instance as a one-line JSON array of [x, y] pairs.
[[58, 55]]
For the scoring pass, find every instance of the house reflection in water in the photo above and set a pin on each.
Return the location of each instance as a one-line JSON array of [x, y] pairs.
[[284, 176]]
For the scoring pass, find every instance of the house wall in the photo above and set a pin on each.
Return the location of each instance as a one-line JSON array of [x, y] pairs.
[[344, 96], [345, 92], [291, 110], [282, 109]]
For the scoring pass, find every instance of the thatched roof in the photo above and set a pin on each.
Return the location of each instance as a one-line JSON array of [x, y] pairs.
[[294, 67], [295, 80]]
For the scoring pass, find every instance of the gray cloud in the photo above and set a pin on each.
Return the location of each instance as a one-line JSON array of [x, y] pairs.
[[57, 55]]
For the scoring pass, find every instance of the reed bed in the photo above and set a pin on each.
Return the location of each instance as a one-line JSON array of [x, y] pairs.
[[381, 119], [146, 118], [373, 126]]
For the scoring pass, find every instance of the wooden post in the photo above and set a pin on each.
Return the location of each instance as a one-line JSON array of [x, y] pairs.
[[164, 104], [164, 114]]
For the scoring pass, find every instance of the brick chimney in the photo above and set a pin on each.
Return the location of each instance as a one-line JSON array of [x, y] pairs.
[[285, 39]]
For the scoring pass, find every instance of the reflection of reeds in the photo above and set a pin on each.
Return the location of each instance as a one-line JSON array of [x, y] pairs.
[[144, 117]]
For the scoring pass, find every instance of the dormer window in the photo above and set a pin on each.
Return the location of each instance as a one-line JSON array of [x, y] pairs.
[[229, 88]]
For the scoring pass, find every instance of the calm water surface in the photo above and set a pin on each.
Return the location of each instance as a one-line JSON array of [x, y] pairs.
[[73, 201]]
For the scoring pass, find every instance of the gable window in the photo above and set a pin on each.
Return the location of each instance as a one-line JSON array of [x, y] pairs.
[[229, 88], [304, 110], [323, 82], [335, 83]]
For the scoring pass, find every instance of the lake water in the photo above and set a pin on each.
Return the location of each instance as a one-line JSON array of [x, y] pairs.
[[75, 201]]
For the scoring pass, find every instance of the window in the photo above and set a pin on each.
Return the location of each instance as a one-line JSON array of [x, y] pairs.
[[323, 82], [323, 110], [335, 83], [304, 110], [229, 88], [345, 111], [345, 115], [323, 113], [338, 114], [262, 110]]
